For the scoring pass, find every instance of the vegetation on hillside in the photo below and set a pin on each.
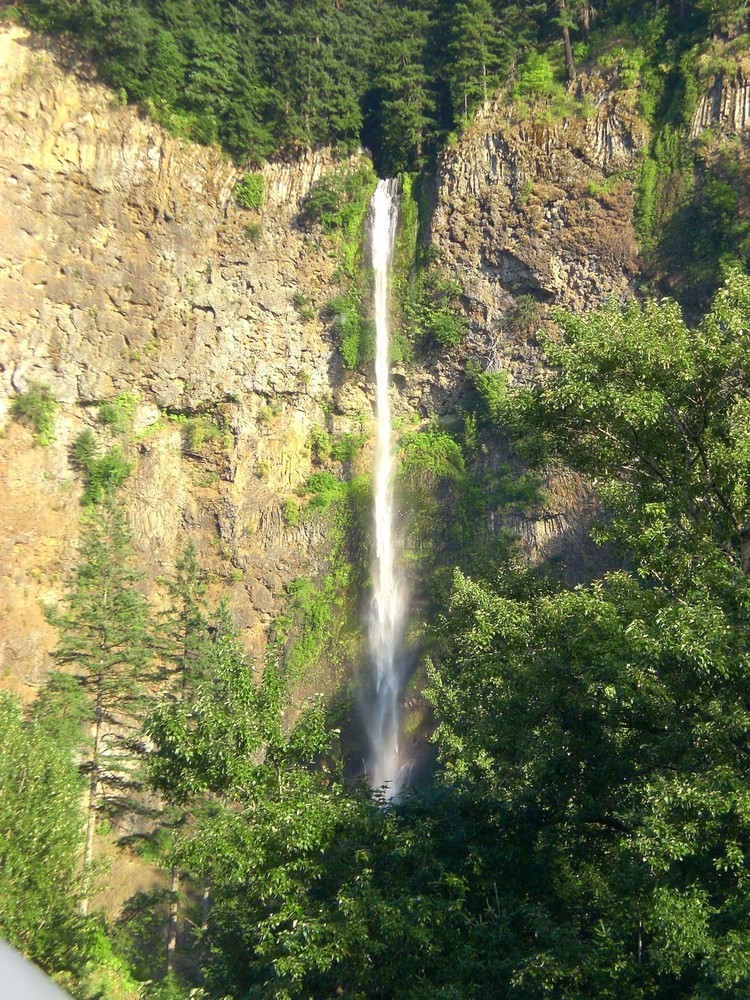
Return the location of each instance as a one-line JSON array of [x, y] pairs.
[[402, 78], [586, 831]]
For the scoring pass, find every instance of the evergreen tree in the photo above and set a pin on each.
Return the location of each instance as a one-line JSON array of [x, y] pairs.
[[473, 66], [188, 655], [407, 101], [105, 640], [205, 732]]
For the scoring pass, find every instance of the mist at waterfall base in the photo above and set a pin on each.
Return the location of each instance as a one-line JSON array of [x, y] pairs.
[[382, 707]]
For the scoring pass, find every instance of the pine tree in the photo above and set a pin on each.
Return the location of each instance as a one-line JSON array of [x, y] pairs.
[[474, 50], [105, 638], [207, 729], [408, 100], [187, 654]]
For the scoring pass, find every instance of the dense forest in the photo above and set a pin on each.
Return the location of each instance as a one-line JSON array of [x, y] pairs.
[[586, 829], [402, 79], [261, 75]]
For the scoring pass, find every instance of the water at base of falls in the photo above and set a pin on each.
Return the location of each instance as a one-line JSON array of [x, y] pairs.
[[387, 611]]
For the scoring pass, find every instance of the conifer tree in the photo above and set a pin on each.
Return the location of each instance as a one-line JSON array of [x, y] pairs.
[[207, 729], [408, 101], [187, 654], [474, 50], [105, 639]]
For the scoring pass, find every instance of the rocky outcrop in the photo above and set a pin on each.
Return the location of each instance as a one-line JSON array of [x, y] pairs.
[[542, 209], [126, 266], [725, 105], [533, 214]]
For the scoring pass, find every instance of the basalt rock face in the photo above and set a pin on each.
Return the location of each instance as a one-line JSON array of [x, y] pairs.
[[725, 106], [539, 209], [530, 216], [126, 267]]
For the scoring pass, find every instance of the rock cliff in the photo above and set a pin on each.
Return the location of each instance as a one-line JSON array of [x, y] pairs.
[[127, 267], [542, 209], [532, 214]]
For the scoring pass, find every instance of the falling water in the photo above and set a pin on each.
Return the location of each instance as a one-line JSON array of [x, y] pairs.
[[387, 610]]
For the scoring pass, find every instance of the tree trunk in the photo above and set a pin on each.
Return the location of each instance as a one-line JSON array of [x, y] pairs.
[[570, 66], [88, 849], [586, 20], [206, 903], [174, 889]]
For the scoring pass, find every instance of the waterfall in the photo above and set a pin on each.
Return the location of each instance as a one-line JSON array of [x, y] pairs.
[[386, 620]]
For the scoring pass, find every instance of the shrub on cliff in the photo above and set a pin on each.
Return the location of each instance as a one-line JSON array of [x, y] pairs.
[[36, 408]]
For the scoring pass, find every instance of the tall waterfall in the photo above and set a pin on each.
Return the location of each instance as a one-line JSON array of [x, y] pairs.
[[386, 623]]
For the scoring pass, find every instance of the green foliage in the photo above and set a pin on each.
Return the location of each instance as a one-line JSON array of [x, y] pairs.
[[475, 51], [105, 641], [453, 506], [432, 452], [432, 313], [104, 474], [325, 489], [526, 313], [138, 935], [205, 738], [84, 450], [344, 448], [657, 200], [338, 203], [625, 409], [201, 429], [321, 444], [347, 447], [536, 77], [605, 724], [404, 269], [291, 513], [36, 408], [339, 200], [40, 839], [447, 328], [250, 191], [314, 624], [117, 414], [492, 388], [311, 606], [354, 332]]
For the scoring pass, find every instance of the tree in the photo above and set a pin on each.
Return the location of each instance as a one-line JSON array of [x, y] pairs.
[[40, 836], [611, 723], [406, 93], [565, 22], [656, 413], [205, 732], [105, 638], [474, 60], [188, 655]]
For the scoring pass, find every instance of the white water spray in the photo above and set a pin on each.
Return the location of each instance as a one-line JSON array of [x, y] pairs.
[[386, 622]]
